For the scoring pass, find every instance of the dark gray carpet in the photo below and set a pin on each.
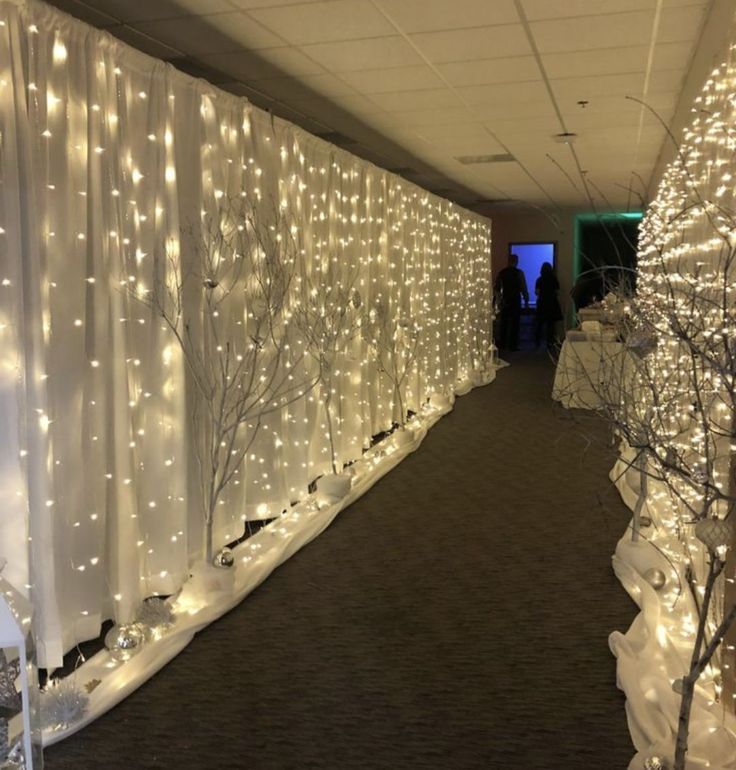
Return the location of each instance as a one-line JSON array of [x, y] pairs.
[[454, 617]]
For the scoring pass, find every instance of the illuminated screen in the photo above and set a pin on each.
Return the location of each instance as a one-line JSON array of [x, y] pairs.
[[531, 258]]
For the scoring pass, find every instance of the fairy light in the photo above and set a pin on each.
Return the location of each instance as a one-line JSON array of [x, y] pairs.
[[426, 259], [685, 290]]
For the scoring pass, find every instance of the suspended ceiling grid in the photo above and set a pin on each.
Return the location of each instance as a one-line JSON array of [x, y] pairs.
[[416, 85]]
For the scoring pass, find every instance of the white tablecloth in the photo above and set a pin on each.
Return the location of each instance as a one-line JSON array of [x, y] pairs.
[[587, 373]]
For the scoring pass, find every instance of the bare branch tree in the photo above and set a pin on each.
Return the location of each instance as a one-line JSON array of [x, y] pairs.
[[227, 304], [326, 313], [394, 341], [669, 393]]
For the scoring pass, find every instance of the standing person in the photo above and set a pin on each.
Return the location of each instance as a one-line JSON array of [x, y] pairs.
[[510, 287], [548, 306]]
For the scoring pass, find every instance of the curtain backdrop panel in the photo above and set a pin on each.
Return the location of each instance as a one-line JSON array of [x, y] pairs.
[[111, 161]]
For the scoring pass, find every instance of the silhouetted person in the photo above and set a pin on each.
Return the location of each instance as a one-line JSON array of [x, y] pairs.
[[549, 311], [510, 287]]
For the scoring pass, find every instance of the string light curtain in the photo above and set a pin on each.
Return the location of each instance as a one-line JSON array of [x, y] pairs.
[[684, 290], [109, 158]]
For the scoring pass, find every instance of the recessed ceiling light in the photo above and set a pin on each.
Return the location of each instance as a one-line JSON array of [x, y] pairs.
[[566, 137]]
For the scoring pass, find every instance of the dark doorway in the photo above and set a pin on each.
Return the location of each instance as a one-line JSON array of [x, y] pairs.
[[605, 248]]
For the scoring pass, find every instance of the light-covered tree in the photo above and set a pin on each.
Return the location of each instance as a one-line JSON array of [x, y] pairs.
[[225, 295]]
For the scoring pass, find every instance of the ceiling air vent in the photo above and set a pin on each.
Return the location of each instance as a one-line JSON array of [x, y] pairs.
[[470, 160]]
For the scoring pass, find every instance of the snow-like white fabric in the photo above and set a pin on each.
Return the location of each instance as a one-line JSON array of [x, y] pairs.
[[210, 593], [108, 158], [656, 649]]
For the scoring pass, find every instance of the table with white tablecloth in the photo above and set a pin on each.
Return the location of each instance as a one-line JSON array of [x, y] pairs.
[[588, 371]]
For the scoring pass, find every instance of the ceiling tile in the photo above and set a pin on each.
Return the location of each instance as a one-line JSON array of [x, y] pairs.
[[534, 126], [611, 61], [380, 81], [589, 32], [219, 33], [431, 15], [470, 139], [673, 55], [325, 21], [615, 30], [491, 111], [505, 94], [544, 9], [485, 71], [603, 61], [599, 85], [666, 81], [464, 131], [681, 24], [478, 43], [349, 56], [399, 101], [431, 117]]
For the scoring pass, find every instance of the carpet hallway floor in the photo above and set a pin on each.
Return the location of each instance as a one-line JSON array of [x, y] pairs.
[[456, 616]]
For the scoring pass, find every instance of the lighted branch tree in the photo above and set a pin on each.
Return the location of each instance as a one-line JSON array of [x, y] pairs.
[[326, 315], [670, 395], [685, 300], [228, 308], [394, 341]]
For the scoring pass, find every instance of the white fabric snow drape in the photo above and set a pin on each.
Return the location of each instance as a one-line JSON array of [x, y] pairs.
[[107, 155]]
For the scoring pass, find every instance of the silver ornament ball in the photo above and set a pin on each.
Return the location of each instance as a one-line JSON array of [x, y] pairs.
[[714, 533], [700, 477], [124, 641], [655, 577], [224, 558]]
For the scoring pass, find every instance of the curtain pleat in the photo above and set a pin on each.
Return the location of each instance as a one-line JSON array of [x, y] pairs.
[[112, 163]]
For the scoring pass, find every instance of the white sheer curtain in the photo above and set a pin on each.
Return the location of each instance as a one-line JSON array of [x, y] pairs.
[[109, 157]]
